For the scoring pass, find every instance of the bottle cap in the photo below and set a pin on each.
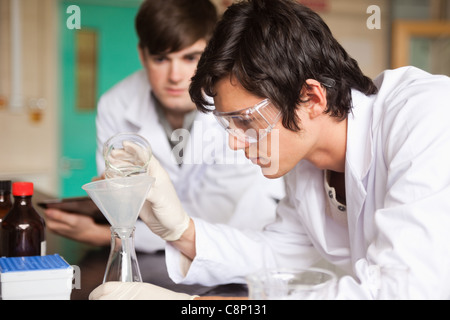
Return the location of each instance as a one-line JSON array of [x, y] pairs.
[[5, 185], [22, 189]]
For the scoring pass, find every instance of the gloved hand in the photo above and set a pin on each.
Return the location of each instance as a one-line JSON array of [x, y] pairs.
[[162, 212], [135, 291]]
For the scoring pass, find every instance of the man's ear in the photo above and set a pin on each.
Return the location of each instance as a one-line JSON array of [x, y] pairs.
[[141, 54], [316, 96]]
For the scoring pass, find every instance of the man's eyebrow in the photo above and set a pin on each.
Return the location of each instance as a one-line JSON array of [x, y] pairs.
[[187, 54], [193, 53]]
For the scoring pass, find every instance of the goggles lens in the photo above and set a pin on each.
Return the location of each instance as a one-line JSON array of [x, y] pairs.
[[250, 124]]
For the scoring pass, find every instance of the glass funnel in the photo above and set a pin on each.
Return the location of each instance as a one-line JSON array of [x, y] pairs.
[[120, 200]]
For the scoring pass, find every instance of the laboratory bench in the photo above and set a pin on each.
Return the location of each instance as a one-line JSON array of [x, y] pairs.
[[90, 264], [153, 270]]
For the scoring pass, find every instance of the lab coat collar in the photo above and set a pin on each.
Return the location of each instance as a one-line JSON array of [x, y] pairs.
[[359, 157], [331, 239], [141, 105], [359, 153], [161, 147], [201, 139]]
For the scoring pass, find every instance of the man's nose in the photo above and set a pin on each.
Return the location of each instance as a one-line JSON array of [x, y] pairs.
[[235, 143], [175, 72]]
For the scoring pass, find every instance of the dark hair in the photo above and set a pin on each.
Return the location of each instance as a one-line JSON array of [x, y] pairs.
[[165, 26], [272, 47]]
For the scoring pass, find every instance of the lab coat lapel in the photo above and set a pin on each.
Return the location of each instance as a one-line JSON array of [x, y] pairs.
[[201, 144], [192, 152], [359, 157], [330, 239]]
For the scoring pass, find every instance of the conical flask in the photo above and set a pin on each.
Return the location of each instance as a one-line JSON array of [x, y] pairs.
[[120, 200], [122, 262]]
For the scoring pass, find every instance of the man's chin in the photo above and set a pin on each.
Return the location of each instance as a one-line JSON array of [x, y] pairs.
[[271, 172], [178, 104]]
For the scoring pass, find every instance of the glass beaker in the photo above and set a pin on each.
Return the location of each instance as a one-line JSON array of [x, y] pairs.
[[122, 262], [126, 154], [292, 284]]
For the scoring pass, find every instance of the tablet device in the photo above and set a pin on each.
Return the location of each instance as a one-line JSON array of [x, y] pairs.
[[77, 205]]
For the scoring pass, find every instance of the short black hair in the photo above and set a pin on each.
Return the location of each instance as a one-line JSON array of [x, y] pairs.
[[272, 47], [165, 26]]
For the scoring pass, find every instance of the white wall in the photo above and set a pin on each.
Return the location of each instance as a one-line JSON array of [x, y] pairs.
[[28, 149], [347, 20]]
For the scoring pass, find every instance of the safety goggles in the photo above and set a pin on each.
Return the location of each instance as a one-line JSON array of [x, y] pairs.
[[250, 124]]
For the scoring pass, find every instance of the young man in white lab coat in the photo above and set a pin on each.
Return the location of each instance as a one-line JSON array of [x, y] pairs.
[[211, 181], [366, 163]]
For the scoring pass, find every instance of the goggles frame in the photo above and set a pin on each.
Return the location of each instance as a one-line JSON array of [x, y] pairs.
[[250, 114]]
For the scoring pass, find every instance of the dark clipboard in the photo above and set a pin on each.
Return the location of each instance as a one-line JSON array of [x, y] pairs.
[[77, 205]]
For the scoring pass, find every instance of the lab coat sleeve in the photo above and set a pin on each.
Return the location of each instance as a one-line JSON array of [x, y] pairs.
[[227, 255], [413, 226]]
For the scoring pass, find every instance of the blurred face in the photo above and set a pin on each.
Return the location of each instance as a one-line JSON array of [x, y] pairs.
[[170, 75]]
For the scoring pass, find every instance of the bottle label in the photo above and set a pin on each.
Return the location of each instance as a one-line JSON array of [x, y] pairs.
[[43, 248]]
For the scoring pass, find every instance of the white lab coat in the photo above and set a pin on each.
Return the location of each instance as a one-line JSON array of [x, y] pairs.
[[397, 176], [214, 183]]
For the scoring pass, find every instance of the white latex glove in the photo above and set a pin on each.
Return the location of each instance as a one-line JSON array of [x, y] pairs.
[[162, 212], [135, 291]]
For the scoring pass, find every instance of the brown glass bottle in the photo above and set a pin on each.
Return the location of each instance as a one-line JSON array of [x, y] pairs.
[[23, 229], [5, 198]]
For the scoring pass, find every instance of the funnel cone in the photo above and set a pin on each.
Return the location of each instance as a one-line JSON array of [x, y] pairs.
[[120, 199]]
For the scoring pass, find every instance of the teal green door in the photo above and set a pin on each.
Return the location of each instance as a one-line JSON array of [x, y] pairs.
[[115, 58]]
